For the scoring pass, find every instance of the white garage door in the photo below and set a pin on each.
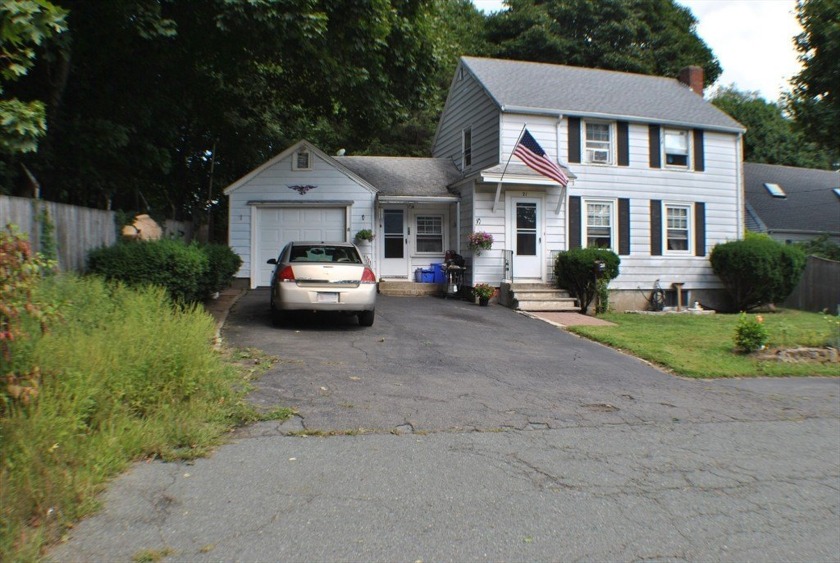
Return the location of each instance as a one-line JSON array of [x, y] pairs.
[[277, 226]]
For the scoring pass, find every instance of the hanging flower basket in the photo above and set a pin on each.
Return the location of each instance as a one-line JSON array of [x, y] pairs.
[[480, 241], [364, 236]]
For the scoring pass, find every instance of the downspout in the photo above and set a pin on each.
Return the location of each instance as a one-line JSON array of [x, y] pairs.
[[739, 179]]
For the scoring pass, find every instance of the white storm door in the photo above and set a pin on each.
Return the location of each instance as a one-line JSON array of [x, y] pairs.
[[394, 245], [526, 225]]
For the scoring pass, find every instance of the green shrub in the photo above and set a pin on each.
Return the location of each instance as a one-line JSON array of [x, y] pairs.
[[168, 263], [750, 333], [574, 271], [223, 263], [757, 270]]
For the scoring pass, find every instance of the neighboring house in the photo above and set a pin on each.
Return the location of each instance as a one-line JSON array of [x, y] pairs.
[[656, 177], [792, 204]]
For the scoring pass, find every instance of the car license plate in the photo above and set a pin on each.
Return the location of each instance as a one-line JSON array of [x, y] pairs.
[[327, 297]]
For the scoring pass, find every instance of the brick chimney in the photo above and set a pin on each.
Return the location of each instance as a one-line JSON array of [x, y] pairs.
[[692, 76]]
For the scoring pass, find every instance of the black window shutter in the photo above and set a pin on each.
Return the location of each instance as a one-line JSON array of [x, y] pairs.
[[623, 143], [574, 139], [699, 229], [655, 151], [624, 227], [699, 152], [655, 227], [574, 222]]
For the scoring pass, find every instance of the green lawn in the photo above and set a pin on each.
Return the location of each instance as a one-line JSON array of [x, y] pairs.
[[703, 345]]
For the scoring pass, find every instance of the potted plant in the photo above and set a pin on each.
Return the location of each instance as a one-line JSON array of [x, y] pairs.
[[364, 236], [483, 291], [479, 241]]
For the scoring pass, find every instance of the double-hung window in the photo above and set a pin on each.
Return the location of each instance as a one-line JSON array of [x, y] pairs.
[[675, 145], [598, 142], [678, 227], [429, 234], [600, 224]]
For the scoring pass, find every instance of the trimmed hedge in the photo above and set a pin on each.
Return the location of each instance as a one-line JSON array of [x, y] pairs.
[[169, 263], [574, 271], [223, 265], [757, 270]]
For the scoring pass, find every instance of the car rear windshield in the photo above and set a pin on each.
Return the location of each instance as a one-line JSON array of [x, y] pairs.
[[324, 253]]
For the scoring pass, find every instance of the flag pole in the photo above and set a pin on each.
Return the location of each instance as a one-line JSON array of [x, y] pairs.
[[504, 170]]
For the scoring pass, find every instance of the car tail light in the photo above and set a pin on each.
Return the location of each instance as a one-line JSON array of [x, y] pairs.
[[286, 275], [368, 276]]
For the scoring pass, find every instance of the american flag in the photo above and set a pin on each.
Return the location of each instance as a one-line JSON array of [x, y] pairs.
[[531, 153]]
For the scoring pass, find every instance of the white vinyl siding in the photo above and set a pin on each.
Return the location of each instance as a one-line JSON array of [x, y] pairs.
[[270, 187], [468, 105], [719, 187]]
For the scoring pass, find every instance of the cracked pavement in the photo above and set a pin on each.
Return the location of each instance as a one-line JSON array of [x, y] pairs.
[[467, 433]]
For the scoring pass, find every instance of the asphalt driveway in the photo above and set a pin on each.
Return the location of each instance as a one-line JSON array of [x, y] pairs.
[[487, 435], [431, 364]]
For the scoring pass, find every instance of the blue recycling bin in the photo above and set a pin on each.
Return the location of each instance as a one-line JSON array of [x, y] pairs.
[[440, 273]]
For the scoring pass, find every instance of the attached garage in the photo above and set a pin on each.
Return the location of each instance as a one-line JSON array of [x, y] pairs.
[[301, 194], [275, 226]]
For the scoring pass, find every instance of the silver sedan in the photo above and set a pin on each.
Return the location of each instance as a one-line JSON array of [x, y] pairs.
[[322, 276]]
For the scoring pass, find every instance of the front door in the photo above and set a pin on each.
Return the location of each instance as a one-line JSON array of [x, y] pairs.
[[394, 246], [527, 238]]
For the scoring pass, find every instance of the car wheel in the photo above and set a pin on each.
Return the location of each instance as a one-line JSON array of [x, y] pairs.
[[366, 318]]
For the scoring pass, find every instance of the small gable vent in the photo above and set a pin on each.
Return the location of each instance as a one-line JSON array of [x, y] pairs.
[[775, 190]]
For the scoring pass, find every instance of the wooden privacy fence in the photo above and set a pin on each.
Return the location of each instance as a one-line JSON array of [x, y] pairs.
[[819, 287], [77, 230]]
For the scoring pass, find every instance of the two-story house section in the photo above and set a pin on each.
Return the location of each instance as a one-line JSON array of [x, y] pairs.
[[655, 173]]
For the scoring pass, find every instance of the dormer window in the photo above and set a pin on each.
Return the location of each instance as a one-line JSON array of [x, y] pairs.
[[598, 142], [301, 160], [675, 146]]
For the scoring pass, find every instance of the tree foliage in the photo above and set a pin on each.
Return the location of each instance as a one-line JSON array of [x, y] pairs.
[[24, 26], [771, 137], [757, 270], [575, 271], [644, 36], [815, 98]]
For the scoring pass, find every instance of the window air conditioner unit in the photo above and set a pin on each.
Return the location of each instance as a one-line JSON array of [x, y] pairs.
[[600, 156]]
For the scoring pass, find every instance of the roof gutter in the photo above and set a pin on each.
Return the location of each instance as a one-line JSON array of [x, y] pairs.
[[418, 199]]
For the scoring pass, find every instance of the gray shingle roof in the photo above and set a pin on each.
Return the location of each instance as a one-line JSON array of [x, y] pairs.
[[404, 176], [586, 91], [810, 206]]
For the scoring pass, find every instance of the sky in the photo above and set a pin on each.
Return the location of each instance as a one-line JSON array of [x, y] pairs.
[[752, 39]]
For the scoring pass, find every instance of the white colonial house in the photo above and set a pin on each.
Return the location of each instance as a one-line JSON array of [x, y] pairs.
[[656, 176]]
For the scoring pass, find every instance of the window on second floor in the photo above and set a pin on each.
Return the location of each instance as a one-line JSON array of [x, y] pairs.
[[675, 145], [429, 234], [598, 142], [467, 147], [599, 227]]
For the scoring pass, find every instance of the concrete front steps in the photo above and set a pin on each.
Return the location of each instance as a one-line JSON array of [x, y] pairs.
[[405, 288], [536, 297]]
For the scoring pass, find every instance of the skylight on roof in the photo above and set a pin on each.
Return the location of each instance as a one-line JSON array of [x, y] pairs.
[[775, 190]]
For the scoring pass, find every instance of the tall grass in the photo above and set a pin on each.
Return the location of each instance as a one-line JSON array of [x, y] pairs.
[[124, 376]]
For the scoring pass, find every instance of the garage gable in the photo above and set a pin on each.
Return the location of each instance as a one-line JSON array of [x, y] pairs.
[[302, 193]]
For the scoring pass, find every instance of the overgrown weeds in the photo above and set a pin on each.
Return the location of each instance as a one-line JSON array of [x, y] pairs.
[[124, 375]]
